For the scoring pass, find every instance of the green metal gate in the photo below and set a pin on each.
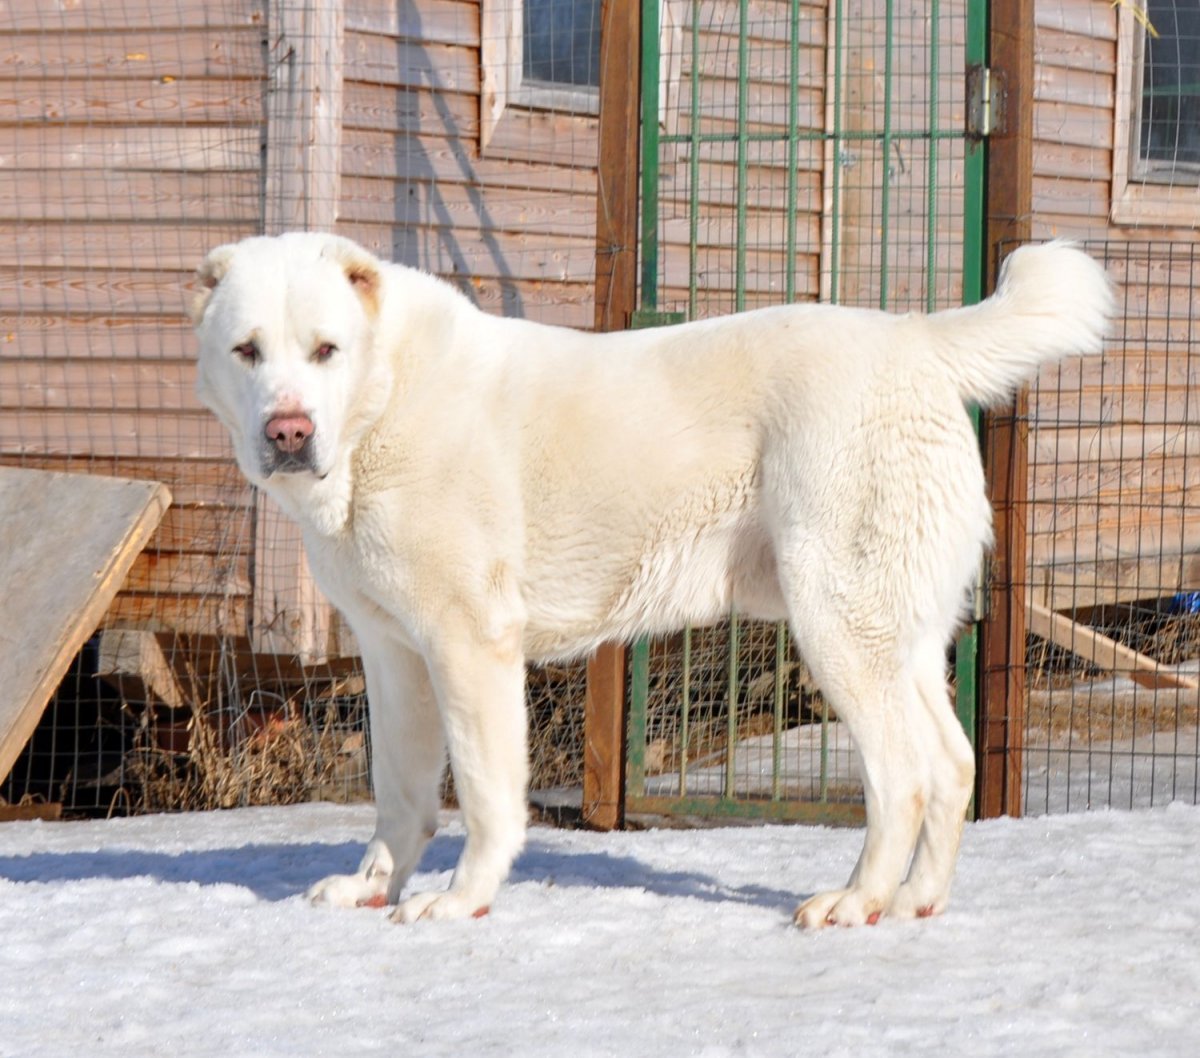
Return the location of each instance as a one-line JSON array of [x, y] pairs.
[[793, 151]]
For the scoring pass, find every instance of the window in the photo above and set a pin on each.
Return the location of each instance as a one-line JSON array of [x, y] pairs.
[[562, 42], [1169, 133], [1156, 156], [544, 55], [538, 55]]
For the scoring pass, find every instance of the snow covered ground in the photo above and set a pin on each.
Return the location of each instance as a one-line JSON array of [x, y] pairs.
[[185, 935]]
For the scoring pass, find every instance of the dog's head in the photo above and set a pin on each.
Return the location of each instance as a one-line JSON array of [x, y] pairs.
[[286, 328]]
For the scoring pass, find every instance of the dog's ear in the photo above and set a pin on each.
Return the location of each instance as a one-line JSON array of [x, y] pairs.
[[362, 270], [209, 274]]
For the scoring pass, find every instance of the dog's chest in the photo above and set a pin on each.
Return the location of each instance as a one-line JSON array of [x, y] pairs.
[[369, 583]]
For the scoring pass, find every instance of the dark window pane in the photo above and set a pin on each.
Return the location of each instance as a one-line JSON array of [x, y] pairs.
[[562, 41], [1171, 84]]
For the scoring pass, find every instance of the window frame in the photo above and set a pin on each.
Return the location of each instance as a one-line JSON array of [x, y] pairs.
[[1140, 194], [503, 85], [504, 90]]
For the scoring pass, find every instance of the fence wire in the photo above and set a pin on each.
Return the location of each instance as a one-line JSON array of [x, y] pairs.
[[1113, 655], [806, 149], [138, 135]]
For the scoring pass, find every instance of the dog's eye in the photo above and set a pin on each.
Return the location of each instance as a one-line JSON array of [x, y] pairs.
[[247, 351], [324, 351]]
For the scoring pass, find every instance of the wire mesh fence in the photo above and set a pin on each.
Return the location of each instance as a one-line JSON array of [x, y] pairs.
[[1109, 713], [137, 136], [1113, 655], [803, 149]]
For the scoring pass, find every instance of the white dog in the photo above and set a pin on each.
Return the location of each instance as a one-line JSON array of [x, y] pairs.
[[478, 492]]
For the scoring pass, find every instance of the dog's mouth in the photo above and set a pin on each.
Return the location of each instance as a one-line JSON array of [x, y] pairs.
[[288, 463]]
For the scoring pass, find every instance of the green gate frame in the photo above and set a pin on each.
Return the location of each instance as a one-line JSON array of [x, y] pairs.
[[637, 801]]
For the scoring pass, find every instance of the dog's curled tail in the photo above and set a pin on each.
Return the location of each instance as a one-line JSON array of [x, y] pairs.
[[1051, 301]]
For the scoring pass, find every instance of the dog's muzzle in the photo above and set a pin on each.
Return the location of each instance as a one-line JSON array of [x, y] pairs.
[[289, 444]]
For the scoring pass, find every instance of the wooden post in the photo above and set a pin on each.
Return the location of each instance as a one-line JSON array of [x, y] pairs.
[[616, 294], [302, 187], [1006, 442]]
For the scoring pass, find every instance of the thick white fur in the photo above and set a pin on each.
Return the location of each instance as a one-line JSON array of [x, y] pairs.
[[486, 492]]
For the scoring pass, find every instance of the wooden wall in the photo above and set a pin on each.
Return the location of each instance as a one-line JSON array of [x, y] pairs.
[[515, 225], [136, 138], [141, 136], [132, 145], [1114, 454]]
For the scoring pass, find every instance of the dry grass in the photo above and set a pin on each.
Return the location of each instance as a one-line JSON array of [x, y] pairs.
[[296, 744], [272, 748]]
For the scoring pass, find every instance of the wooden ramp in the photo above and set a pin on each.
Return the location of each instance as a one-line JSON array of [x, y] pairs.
[[1105, 653], [66, 543]]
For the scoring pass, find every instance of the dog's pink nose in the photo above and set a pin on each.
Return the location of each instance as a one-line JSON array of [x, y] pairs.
[[289, 432]]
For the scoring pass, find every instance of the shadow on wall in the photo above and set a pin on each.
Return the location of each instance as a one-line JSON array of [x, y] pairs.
[[421, 215]]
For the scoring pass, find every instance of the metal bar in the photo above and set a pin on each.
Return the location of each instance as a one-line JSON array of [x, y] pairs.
[[685, 710], [835, 220], [743, 163], [931, 179], [694, 168], [974, 250], [885, 191], [966, 655], [855, 135], [639, 695], [792, 148], [650, 147], [731, 709], [823, 790], [781, 652]]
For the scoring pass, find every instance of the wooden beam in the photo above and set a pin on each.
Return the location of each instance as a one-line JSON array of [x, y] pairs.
[[134, 662], [616, 294], [305, 42], [1105, 653], [1009, 211], [46, 812]]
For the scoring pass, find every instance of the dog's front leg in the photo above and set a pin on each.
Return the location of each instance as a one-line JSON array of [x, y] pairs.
[[407, 761], [480, 685]]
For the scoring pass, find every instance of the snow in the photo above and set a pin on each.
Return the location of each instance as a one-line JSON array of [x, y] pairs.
[[185, 935]]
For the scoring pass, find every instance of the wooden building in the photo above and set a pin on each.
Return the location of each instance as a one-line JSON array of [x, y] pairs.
[[1114, 467]]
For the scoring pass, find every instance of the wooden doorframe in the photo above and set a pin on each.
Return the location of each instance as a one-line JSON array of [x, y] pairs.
[[1009, 209], [616, 299]]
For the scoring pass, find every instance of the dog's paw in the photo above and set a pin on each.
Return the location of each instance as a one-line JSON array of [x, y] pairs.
[[438, 907], [349, 890], [840, 907], [911, 902]]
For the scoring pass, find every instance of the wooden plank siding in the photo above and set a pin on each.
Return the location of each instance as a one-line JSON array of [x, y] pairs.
[[514, 227], [1114, 474], [133, 144]]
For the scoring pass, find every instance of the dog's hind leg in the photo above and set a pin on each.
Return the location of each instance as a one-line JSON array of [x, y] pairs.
[[951, 766], [481, 694], [857, 671], [407, 761]]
